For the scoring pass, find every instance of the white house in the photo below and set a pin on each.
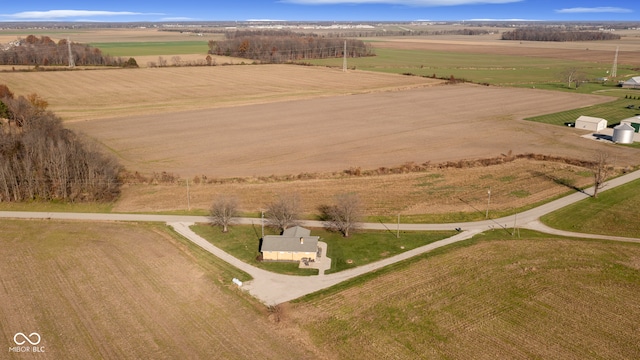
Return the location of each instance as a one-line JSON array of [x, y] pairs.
[[633, 83], [591, 123]]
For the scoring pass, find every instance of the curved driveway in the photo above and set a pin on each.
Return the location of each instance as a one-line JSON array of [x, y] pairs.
[[273, 288]]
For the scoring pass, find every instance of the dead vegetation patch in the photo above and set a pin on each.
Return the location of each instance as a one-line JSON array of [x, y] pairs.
[[432, 189]]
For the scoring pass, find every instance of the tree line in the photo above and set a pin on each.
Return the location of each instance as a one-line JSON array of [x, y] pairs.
[[278, 47], [43, 51], [41, 160], [545, 34]]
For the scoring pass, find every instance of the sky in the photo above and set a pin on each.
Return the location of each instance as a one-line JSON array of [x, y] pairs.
[[319, 10]]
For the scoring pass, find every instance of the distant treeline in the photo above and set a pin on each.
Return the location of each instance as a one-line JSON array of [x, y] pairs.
[[41, 160], [43, 52], [543, 34], [348, 33], [274, 46]]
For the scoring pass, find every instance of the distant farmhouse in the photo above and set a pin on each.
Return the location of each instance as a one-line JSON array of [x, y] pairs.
[[591, 123], [633, 83], [294, 244]]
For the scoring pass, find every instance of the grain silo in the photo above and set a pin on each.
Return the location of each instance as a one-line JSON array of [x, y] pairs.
[[623, 134]]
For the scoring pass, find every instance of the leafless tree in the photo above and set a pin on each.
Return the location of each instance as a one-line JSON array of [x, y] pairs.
[[345, 214], [223, 210], [573, 75], [284, 211], [601, 170], [40, 159]]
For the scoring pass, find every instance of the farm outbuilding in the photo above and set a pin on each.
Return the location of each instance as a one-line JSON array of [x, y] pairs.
[[634, 122], [591, 123], [623, 134], [633, 83], [294, 244]]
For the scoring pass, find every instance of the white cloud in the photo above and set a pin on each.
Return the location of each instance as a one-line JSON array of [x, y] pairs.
[[64, 14], [602, 9], [401, 2]]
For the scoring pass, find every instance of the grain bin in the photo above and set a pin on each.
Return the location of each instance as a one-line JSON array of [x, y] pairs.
[[623, 134]]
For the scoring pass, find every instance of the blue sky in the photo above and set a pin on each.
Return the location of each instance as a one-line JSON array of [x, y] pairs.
[[325, 10]]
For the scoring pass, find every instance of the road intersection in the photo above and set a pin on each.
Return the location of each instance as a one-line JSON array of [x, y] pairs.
[[272, 289]]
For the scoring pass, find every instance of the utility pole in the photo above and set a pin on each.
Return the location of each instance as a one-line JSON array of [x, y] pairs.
[[398, 230], [72, 63], [188, 197], [614, 68], [488, 203], [344, 57], [262, 217]]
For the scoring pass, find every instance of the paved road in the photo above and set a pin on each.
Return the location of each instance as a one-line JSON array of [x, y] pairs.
[[273, 288]]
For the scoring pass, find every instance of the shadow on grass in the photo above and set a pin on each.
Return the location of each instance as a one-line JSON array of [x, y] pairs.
[[568, 183]]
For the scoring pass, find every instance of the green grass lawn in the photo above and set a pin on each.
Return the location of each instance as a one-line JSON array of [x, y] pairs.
[[614, 212], [153, 48], [243, 242], [56, 206], [361, 248], [479, 68], [613, 112]]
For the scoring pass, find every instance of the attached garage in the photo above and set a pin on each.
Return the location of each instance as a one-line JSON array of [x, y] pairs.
[[591, 123]]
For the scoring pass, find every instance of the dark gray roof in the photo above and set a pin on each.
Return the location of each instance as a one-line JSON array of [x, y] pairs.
[[290, 241]]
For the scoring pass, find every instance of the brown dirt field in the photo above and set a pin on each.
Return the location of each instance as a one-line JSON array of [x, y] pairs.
[[596, 51], [328, 134], [434, 191], [518, 299], [93, 94], [127, 291]]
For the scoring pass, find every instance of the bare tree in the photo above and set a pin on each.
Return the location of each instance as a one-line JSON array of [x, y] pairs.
[[573, 75], [601, 170], [345, 214], [222, 212], [284, 211]]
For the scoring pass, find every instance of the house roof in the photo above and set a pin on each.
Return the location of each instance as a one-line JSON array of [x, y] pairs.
[[633, 80], [590, 119], [289, 241], [633, 119]]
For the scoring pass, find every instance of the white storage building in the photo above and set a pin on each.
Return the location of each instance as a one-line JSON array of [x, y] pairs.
[[591, 123]]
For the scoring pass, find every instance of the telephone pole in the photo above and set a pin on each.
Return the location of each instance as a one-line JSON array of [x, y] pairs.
[[614, 68], [72, 63], [344, 57]]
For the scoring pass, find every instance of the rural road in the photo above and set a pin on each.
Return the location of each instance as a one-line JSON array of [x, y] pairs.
[[272, 289]]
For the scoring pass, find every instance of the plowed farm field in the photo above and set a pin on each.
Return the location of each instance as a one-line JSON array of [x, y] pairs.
[[334, 133], [127, 291], [106, 93]]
